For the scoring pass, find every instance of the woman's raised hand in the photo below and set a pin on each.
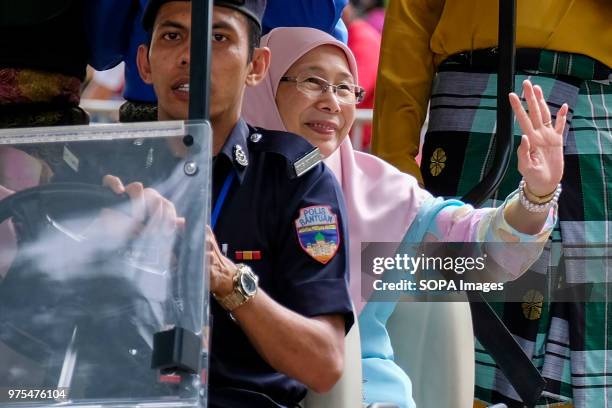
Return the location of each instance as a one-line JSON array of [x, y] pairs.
[[540, 154]]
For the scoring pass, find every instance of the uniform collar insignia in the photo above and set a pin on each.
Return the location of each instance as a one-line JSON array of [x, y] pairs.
[[236, 150], [240, 157]]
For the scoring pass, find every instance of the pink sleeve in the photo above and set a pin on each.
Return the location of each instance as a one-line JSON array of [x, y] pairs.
[[488, 225], [8, 244]]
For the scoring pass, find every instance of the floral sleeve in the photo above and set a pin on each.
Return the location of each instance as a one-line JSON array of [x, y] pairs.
[[455, 221]]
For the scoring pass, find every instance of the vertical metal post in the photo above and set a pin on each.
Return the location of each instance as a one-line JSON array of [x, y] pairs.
[[199, 109], [505, 84], [504, 147], [199, 77], [488, 327]]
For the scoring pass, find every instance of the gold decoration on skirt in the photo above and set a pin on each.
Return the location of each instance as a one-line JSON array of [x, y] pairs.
[[532, 304], [437, 162]]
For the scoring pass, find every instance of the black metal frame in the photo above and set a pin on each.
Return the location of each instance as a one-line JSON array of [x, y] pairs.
[[488, 327], [199, 75], [505, 84]]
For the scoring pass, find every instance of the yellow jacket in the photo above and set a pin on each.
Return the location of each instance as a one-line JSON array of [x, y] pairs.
[[419, 34]]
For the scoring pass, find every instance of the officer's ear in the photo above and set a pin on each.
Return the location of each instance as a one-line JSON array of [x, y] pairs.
[[258, 67], [144, 65]]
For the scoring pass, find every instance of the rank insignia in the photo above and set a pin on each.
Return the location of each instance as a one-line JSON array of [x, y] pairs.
[[317, 232], [307, 162]]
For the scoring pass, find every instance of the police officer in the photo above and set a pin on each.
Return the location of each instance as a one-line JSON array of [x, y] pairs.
[[279, 260]]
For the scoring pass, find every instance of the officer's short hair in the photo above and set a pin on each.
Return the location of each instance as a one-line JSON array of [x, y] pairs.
[[254, 36]]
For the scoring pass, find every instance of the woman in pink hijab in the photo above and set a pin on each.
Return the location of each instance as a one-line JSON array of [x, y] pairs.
[[310, 90], [382, 202]]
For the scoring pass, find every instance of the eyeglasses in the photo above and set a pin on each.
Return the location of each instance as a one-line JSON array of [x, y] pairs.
[[310, 85]]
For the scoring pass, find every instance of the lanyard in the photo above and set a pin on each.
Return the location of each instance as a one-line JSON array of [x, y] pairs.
[[221, 199]]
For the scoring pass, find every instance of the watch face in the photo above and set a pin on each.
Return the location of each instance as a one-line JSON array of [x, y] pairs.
[[249, 283]]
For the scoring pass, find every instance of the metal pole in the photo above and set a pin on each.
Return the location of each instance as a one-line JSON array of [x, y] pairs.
[[505, 84], [488, 327], [199, 76]]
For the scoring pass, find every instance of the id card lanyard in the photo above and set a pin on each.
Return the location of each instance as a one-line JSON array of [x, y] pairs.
[[221, 199]]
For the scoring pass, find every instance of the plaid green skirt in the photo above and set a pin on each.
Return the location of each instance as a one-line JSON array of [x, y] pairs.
[[570, 342]]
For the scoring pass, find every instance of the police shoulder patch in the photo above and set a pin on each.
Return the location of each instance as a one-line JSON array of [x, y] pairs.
[[317, 232]]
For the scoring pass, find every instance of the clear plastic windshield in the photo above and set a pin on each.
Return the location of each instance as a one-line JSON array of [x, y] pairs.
[[103, 292]]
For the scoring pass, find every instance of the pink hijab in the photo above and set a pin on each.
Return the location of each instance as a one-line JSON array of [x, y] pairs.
[[381, 201]]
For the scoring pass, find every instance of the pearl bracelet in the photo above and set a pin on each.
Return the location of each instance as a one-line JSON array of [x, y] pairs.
[[538, 207]]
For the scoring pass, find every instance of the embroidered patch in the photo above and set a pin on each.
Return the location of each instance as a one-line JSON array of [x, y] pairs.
[[317, 231]]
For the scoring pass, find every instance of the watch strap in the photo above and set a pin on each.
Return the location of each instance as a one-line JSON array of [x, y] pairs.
[[237, 297], [233, 300]]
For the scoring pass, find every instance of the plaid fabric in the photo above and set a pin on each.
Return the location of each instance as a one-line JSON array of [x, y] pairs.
[[571, 343]]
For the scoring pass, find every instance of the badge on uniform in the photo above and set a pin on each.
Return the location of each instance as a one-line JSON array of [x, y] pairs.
[[317, 231], [240, 156]]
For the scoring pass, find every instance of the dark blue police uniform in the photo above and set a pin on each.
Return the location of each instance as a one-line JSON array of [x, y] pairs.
[[291, 231]]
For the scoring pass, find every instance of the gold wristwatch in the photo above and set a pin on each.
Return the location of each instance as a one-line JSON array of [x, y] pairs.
[[245, 288]]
